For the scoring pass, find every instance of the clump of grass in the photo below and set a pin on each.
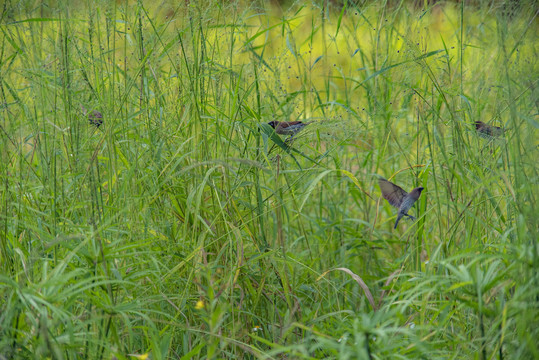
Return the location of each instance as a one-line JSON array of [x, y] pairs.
[[183, 227]]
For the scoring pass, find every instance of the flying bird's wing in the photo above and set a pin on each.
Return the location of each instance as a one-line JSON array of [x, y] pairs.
[[391, 192]]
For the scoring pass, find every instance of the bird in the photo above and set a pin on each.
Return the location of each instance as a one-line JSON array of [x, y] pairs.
[[288, 127], [95, 117], [399, 198], [488, 131]]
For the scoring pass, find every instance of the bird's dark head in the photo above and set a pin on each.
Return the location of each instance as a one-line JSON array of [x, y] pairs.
[[416, 192], [479, 124], [273, 124]]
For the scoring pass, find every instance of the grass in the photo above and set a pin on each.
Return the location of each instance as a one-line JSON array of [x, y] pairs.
[[183, 227]]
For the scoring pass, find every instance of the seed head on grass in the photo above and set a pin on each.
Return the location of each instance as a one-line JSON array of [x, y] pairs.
[[399, 198]]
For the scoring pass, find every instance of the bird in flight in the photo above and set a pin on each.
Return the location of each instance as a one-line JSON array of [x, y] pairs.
[[399, 198]]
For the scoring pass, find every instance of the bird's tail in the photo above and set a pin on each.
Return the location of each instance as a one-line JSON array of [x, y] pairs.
[[399, 217]]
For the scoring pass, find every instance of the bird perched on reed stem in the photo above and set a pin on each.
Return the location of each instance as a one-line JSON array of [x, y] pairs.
[[488, 131], [94, 117], [399, 198], [288, 127]]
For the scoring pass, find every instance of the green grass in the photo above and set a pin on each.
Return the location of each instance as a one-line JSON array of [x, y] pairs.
[[185, 228]]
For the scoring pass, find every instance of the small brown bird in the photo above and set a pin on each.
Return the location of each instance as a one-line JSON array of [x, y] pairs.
[[288, 127], [399, 198], [488, 131], [95, 117]]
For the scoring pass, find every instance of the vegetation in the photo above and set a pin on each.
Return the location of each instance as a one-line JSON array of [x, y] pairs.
[[184, 227]]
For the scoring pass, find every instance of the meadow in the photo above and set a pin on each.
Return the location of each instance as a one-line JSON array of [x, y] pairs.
[[184, 227]]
